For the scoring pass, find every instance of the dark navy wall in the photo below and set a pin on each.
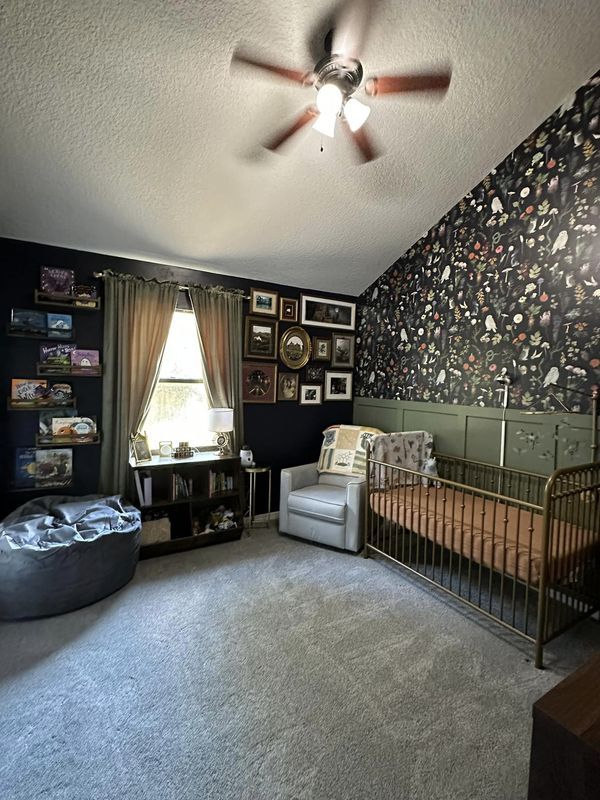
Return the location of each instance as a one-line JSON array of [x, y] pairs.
[[283, 434]]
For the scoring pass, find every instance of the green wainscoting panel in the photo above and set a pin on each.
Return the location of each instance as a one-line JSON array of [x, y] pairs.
[[383, 414], [535, 442], [531, 443], [482, 438], [444, 422]]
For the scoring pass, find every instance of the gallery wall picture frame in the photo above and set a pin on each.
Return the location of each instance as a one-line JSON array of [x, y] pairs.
[[140, 448], [325, 312], [287, 386], [321, 348], [260, 338], [288, 309], [338, 385], [259, 382], [315, 373], [263, 301], [342, 350], [295, 348], [311, 394]]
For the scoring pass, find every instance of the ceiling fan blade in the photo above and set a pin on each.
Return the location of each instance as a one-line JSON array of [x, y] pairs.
[[363, 142], [350, 28], [308, 115], [303, 78], [397, 84]]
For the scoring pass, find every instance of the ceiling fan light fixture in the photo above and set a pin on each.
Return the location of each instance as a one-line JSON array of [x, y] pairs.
[[325, 124], [356, 113], [330, 99]]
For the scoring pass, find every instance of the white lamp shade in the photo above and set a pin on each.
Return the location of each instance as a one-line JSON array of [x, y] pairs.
[[325, 123], [220, 419], [356, 113], [329, 99]]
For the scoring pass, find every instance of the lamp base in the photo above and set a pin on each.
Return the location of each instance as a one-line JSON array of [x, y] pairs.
[[222, 442]]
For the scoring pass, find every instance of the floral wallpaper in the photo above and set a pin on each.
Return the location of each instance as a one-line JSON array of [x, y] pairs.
[[508, 280]]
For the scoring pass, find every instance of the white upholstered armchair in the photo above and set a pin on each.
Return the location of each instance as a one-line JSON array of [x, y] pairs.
[[324, 502]]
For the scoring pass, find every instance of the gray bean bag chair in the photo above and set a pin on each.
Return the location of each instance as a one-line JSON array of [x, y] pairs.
[[61, 553]]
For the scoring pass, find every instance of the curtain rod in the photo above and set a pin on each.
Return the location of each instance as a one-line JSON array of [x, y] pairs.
[[182, 287]]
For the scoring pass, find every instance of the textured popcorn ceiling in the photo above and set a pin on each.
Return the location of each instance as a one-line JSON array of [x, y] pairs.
[[124, 130]]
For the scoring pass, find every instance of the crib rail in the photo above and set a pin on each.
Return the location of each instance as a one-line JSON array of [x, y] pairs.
[[572, 522], [507, 481], [520, 548]]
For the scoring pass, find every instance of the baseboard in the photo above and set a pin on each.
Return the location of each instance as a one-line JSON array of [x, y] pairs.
[[273, 516]]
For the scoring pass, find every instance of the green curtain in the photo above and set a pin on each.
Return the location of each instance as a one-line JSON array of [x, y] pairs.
[[136, 325], [219, 319]]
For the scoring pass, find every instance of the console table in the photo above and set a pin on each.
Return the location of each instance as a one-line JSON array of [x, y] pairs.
[[565, 746]]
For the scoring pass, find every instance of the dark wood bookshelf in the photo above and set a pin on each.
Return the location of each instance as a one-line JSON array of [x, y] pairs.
[[191, 512]]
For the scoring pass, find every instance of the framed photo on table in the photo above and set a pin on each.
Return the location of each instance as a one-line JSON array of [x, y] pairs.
[[338, 385], [342, 350], [263, 301], [140, 448], [260, 338], [324, 312]]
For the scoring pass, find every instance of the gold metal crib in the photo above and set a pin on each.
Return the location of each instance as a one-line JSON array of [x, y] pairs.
[[521, 548]]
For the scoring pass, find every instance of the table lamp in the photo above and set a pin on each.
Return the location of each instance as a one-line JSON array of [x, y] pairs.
[[220, 421]]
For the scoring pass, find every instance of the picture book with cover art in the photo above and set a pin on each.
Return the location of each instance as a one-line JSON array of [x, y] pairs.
[[73, 426], [23, 319], [54, 467], [46, 417], [85, 358], [56, 354], [57, 280], [25, 467], [28, 388]]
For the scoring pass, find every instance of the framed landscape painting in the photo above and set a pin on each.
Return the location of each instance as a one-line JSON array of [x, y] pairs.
[[263, 301], [324, 312], [260, 339]]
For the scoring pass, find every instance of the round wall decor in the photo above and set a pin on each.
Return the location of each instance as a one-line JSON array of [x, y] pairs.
[[295, 348]]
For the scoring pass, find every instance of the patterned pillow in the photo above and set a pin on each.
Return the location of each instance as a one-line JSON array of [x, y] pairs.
[[343, 449]]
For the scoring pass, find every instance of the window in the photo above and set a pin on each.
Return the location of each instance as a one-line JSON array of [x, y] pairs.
[[178, 409]]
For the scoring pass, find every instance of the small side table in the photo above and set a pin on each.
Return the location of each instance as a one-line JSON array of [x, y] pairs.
[[252, 473]]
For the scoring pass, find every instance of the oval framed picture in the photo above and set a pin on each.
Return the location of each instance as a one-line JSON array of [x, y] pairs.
[[295, 348]]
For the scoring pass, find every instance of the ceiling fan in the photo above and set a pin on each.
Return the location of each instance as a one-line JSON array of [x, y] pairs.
[[338, 76]]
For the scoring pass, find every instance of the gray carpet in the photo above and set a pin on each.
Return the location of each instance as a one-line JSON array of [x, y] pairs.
[[270, 669]]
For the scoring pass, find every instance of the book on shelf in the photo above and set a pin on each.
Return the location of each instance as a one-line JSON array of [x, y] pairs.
[[143, 485], [43, 469], [219, 482], [56, 355], [180, 488], [57, 280]]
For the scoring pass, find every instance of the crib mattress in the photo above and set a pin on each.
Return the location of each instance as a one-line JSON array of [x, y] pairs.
[[513, 547]]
